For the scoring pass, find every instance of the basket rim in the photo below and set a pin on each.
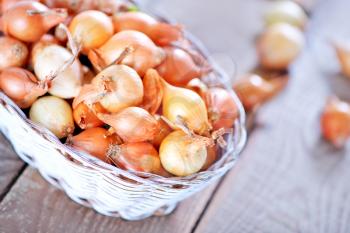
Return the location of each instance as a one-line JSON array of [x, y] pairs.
[[226, 161]]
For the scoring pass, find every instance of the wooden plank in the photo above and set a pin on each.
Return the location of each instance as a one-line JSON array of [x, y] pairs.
[[289, 179], [34, 205], [10, 166]]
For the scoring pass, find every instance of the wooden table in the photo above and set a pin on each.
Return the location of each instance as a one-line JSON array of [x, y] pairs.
[[287, 180]]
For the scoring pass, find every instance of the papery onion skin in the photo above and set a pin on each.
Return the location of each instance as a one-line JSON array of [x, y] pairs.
[[92, 29], [178, 67], [132, 124], [153, 91], [279, 46], [94, 141], [126, 88], [145, 54], [211, 157], [85, 118], [222, 109], [181, 155], [343, 54], [53, 113], [21, 86], [335, 122], [29, 28], [138, 156], [50, 58], [198, 86], [163, 131], [13, 53]]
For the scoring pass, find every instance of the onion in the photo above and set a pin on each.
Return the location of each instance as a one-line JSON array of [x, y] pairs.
[[153, 91], [50, 59], [91, 28], [21, 86], [286, 12], [161, 33], [335, 122], [45, 40], [163, 130], [53, 113], [85, 118], [211, 157], [181, 104], [181, 155], [222, 109], [7, 4], [198, 86], [13, 52], [279, 45], [93, 141], [146, 54], [178, 68], [343, 54], [253, 90], [29, 20], [132, 124]]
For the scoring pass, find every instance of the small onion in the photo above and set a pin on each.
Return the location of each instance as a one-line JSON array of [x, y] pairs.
[[91, 28], [145, 53], [335, 122], [161, 33], [85, 118], [279, 45], [13, 52], [132, 124], [53, 113], [21, 86], [286, 11], [94, 141], [28, 21], [181, 155], [7, 4], [222, 108], [44, 41], [137, 156]]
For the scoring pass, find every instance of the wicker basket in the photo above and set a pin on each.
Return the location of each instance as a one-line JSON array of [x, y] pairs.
[[107, 189]]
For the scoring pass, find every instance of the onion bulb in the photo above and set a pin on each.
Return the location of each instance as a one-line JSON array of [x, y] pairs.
[[181, 155], [53, 113], [85, 118], [286, 11], [91, 28], [94, 141], [13, 52], [7, 4], [222, 109], [178, 67], [163, 130], [145, 53], [132, 124], [153, 91], [187, 106], [253, 90], [137, 156], [161, 33], [51, 58], [21, 86], [279, 45], [335, 122], [45, 40], [211, 157], [28, 21], [343, 54]]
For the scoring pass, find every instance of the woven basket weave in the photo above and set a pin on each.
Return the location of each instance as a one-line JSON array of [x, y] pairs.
[[107, 189]]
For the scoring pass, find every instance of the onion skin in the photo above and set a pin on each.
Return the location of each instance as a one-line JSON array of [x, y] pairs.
[[178, 67], [163, 131], [21, 86], [7, 4], [161, 33], [139, 156], [153, 91], [211, 157], [132, 124], [343, 54], [279, 45], [335, 122], [145, 53], [92, 29], [94, 141], [222, 109], [50, 58], [13, 53], [29, 28], [53, 113], [85, 118], [44, 41], [198, 86], [181, 155]]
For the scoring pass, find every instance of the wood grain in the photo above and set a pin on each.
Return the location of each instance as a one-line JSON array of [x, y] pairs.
[[33, 205], [289, 179]]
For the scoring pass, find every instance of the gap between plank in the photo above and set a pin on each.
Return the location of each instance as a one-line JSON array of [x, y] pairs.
[[13, 181]]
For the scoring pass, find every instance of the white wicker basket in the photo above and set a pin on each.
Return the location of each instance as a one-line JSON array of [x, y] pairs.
[[107, 189]]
